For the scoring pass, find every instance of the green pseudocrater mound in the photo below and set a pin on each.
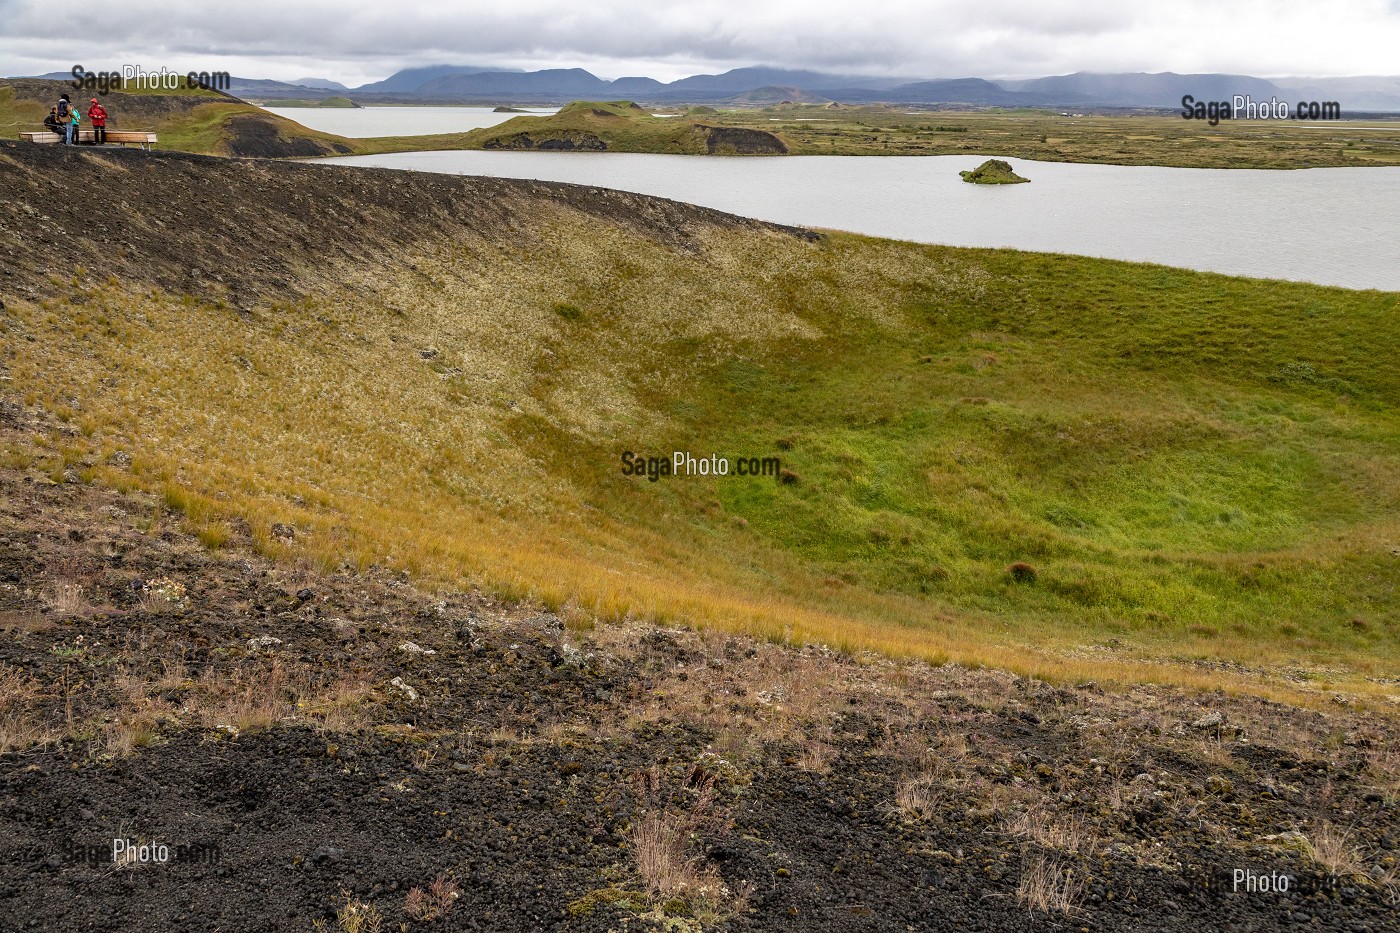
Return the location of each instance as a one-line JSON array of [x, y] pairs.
[[993, 172]]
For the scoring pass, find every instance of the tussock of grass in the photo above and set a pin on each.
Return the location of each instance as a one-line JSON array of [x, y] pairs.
[[19, 698], [1047, 888], [1331, 848], [1198, 469]]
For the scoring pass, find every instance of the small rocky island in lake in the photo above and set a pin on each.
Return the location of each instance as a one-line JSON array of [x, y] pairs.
[[993, 172]]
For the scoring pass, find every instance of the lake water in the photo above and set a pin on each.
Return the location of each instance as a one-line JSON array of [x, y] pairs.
[[1334, 226], [364, 122]]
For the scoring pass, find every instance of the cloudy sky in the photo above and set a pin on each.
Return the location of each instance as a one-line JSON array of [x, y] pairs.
[[358, 40]]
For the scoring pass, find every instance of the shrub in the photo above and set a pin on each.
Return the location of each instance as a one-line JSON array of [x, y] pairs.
[[659, 842], [434, 903], [354, 916], [917, 797], [1332, 850], [1022, 572]]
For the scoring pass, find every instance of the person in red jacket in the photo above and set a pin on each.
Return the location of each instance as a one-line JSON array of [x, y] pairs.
[[98, 115]]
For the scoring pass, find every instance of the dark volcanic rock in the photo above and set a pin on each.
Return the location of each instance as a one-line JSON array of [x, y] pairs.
[[733, 140]]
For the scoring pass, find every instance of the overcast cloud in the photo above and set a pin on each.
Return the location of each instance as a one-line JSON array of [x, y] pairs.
[[356, 41]]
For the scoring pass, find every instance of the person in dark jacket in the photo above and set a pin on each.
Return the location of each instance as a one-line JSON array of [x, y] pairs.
[[98, 115], [51, 122], [65, 118]]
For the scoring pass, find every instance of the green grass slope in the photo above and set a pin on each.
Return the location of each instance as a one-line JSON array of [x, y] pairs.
[[1072, 466], [622, 126]]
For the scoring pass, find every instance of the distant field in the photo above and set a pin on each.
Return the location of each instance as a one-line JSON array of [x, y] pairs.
[[203, 121], [1047, 136], [333, 103], [1041, 135]]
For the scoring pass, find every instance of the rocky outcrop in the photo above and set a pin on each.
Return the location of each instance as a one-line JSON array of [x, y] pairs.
[[258, 136], [563, 141], [732, 140]]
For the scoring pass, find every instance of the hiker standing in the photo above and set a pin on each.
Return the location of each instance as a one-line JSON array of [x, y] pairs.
[[64, 117], [97, 115], [75, 118]]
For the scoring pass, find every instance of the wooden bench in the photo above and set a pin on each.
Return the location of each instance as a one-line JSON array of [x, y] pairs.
[[117, 137]]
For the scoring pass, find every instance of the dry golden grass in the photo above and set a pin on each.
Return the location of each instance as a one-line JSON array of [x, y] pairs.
[[342, 706], [353, 916], [659, 844], [20, 723], [1122, 795], [68, 600], [174, 673], [28, 622], [767, 693], [1383, 767], [1072, 835], [1332, 849], [1048, 888], [663, 837], [127, 711], [1211, 749], [817, 755], [917, 797], [247, 700], [127, 734], [728, 688]]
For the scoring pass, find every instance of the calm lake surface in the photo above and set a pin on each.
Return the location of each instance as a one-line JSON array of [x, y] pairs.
[[364, 122], [1333, 226]]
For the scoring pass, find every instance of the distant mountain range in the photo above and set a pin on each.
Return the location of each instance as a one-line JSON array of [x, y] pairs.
[[320, 84], [1083, 90]]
